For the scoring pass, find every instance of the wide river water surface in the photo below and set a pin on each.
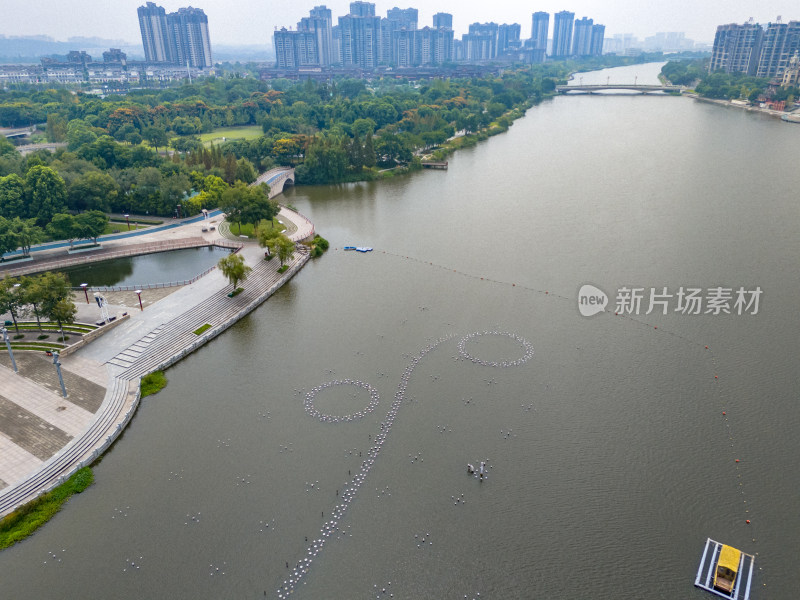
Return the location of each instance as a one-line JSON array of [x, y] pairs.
[[608, 455]]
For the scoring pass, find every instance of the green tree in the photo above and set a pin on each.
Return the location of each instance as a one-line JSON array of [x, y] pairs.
[[56, 128], [92, 191], [256, 205], [278, 244], [186, 143], [156, 137], [45, 193], [64, 226], [12, 196], [8, 240], [245, 171], [92, 224], [63, 311], [6, 147], [12, 300], [26, 233], [234, 269], [44, 292]]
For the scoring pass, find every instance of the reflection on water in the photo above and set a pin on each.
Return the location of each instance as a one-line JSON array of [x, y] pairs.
[[162, 267]]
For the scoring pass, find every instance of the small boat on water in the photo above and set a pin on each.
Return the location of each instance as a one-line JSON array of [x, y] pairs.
[[791, 117], [724, 571], [363, 249], [349, 247]]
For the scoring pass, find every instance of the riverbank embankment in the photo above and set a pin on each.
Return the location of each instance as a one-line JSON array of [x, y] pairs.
[[111, 368]]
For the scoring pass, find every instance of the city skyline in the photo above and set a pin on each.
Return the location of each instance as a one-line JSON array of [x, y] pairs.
[[252, 22]]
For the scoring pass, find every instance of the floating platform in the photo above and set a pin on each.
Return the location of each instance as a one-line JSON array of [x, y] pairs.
[[349, 247], [363, 249], [435, 165], [707, 568]]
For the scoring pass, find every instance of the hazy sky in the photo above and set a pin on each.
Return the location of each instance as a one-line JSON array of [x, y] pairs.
[[253, 21]]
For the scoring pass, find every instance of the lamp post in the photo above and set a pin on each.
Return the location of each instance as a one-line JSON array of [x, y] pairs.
[[58, 370], [127, 220], [139, 294], [84, 286], [10, 351]]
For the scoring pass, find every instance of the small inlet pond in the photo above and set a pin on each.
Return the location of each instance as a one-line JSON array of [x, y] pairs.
[[162, 267]]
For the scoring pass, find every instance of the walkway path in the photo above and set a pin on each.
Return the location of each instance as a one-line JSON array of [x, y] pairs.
[[149, 340]]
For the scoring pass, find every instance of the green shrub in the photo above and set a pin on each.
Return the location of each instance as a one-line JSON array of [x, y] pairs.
[[321, 242], [153, 383], [44, 336]]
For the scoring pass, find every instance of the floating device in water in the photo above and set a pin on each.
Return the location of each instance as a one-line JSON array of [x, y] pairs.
[[723, 569]]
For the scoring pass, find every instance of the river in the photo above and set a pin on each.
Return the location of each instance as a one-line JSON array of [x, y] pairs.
[[608, 455]]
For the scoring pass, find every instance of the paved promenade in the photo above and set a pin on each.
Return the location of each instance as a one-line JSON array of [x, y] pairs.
[[44, 437]]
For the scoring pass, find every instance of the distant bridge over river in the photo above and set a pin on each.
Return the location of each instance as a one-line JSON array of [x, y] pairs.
[[642, 89]]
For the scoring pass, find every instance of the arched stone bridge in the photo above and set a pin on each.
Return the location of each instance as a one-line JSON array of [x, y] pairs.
[[276, 179], [643, 89]]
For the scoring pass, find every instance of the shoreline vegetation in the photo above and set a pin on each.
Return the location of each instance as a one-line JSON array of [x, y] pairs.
[[23, 522], [737, 90]]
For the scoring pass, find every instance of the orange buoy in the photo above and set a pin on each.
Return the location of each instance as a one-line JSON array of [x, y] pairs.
[[747, 521], [724, 413], [513, 285], [737, 460], [716, 377], [655, 327], [706, 347]]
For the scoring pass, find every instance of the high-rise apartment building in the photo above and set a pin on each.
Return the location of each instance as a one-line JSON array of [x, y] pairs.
[[320, 23], [188, 36], [582, 37], [442, 21], [598, 37], [362, 9], [359, 34], [736, 48], [481, 41], [539, 28], [780, 42], [180, 37], [153, 25], [405, 17], [562, 33], [397, 20], [508, 38], [294, 49]]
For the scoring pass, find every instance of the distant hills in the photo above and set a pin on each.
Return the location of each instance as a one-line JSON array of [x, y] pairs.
[[30, 49]]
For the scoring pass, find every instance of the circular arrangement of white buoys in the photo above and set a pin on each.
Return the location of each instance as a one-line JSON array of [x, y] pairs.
[[308, 403], [526, 345], [345, 497]]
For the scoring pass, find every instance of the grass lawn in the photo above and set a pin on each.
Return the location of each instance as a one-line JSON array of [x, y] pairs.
[[249, 230], [250, 132], [122, 227]]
